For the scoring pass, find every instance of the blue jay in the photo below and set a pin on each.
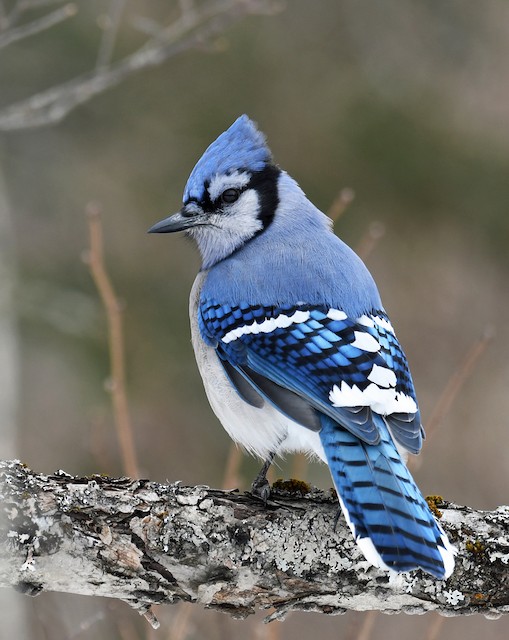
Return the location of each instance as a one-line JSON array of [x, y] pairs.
[[296, 351]]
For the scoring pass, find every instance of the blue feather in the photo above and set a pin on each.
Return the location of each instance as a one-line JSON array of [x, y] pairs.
[[310, 357], [296, 322], [382, 502], [241, 146]]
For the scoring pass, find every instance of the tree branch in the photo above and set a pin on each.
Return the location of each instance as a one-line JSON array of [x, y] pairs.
[[41, 24], [190, 31], [148, 543]]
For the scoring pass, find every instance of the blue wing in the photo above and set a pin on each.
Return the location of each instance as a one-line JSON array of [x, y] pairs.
[[348, 379], [306, 360]]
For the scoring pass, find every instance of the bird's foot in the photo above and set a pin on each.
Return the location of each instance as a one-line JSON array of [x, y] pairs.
[[261, 488]]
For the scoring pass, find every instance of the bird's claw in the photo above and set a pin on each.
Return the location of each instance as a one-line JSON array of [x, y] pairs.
[[261, 489]]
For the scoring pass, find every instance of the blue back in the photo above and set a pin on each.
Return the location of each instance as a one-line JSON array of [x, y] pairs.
[[298, 259]]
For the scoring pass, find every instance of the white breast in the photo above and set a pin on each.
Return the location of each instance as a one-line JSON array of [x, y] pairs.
[[259, 431]]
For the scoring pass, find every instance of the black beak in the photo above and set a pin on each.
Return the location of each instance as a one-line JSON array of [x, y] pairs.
[[187, 217]]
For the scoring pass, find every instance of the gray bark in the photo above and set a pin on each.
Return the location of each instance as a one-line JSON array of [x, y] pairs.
[[147, 543]]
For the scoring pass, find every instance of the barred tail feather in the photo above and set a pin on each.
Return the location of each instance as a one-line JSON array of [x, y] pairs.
[[388, 516]]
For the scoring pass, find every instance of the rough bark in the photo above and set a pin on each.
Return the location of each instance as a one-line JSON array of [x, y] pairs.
[[148, 543]]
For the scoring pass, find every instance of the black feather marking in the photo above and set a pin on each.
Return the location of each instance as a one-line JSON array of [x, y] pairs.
[[265, 183]]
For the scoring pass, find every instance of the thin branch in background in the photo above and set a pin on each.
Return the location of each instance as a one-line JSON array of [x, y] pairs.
[[457, 380], [189, 31], [187, 9], [181, 627], [267, 631], [361, 628], [3, 17], [27, 5], [453, 388], [14, 14], [368, 624], [36, 26], [340, 203], [375, 232], [435, 627], [109, 23], [231, 478], [95, 259]]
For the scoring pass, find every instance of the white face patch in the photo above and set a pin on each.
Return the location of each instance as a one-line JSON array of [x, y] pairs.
[[266, 326], [228, 229], [219, 183], [240, 219], [382, 401]]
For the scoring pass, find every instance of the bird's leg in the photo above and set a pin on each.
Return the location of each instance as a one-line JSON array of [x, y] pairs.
[[336, 519], [261, 486]]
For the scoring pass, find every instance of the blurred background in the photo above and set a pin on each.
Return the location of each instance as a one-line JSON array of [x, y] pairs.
[[405, 103]]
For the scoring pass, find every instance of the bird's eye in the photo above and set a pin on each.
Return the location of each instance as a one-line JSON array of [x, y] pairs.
[[230, 195]]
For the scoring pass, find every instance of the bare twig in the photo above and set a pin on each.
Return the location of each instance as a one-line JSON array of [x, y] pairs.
[[231, 478], [435, 626], [3, 17], [370, 239], [95, 260], [54, 104], [27, 5], [36, 26], [367, 626], [457, 380], [110, 25], [340, 203], [14, 14], [180, 628]]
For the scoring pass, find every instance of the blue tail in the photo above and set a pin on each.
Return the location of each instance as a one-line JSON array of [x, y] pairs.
[[388, 516]]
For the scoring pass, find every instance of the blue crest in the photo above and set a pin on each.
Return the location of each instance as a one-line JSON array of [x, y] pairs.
[[241, 146]]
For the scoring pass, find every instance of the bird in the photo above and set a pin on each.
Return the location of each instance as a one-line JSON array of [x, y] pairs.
[[296, 351]]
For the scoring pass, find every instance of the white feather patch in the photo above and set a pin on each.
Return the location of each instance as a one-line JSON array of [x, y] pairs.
[[336, 314], [382, 376], [365, 342], [266, 326], [366, 321], [220, 183], [384, 323], [371, 321], [382, 401]]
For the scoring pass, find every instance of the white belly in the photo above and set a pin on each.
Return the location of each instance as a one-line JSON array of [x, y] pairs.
[[259, 431]]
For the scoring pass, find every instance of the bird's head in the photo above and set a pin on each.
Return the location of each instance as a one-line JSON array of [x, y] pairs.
[[231, 195]]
